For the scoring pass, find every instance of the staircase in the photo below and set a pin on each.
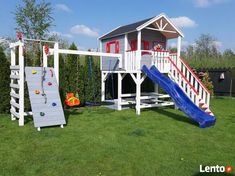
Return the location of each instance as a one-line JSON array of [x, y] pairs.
[[188, 81]]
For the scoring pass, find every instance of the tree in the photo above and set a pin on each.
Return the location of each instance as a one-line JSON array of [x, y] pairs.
[[4, 83], [228, 53], [206, 46], [33, 20], [74, 72]]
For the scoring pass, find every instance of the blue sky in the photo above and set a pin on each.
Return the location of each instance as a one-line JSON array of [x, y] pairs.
[[83, 21]]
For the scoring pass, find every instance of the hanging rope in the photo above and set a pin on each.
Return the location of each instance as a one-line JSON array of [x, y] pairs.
[[43, 73]]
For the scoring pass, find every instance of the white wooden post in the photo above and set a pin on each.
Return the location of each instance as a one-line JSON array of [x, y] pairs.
[[101, 58], [119, 91], [13, 63], [44, 57], [21, 84], [125, 50], [138, 49], [178, 51], [138, 92], [102, 86], [56, 61]]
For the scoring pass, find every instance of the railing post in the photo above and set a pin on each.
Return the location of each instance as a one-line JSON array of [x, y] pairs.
[[44, 57], [21, 84], [178, 52], [139, 50], [125, 50]]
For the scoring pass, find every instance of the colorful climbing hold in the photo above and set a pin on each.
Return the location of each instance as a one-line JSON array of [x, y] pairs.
[[34, 72], [54, 104], [37, 92], [49, 83], [42, 114]]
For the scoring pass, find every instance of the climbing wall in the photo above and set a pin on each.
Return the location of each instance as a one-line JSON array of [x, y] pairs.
[[49, 111]]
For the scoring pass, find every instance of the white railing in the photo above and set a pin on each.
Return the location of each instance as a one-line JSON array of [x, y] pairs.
[[161, 61], [191, 78], [131, 61], [134, 60]]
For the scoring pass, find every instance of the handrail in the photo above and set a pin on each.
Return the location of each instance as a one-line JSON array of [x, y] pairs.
[[191, 86], [191, 71], [196, 77]]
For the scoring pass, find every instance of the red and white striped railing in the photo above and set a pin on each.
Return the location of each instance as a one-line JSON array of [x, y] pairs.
[[189, 82]]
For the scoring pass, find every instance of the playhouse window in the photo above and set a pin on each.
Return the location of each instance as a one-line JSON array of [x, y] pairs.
[[114, 43], [144, 45]]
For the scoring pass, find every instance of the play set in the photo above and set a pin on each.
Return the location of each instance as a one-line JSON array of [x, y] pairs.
[[137, 50]]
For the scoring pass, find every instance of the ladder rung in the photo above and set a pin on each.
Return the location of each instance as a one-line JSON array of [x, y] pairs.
[[16, 86], [16, 114], [15, 76], [14, 95], [17, 67], [15, 104]]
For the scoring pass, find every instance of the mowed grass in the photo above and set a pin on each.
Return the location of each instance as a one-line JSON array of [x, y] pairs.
[[99, 141]]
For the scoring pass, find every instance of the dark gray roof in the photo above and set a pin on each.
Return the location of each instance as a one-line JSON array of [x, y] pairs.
[[124, 29]]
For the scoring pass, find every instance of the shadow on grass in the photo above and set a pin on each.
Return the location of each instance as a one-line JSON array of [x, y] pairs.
[[175, 116], [69, 112]]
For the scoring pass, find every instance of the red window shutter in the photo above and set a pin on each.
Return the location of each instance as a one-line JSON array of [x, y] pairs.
[[108, 47], [116, 46], [133, 45], [146, 45]]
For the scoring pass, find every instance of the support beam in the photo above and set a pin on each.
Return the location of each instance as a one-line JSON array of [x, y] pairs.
[[102, 86], [138, 93], [44, 57], [119, 91], [21, 84], [161, 30], [138, 49], [125, 50], [178, 52], [56, 61]]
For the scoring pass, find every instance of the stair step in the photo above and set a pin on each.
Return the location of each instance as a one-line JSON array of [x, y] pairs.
[[17, 67], [14, 95], [14, 104], [16, 114], [16, 86], [15, 76]]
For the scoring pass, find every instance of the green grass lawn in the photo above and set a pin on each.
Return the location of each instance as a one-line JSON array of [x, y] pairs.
[[99, 141]]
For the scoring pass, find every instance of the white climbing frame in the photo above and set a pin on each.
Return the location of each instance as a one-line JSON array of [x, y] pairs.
[[17, 72]]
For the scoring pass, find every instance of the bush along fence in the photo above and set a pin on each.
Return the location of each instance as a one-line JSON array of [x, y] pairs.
[[223, 80]]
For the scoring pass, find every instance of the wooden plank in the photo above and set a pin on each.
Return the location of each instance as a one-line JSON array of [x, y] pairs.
[[14, 95], [14, 104], [16, 86], [14, 76], [16, 114], [16, 67]]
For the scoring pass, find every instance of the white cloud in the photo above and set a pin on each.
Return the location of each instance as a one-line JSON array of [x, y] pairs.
[[217, 44], [206, 3], [63, 7], [184, 22], [60, 34], [84, 30], [184, 44]]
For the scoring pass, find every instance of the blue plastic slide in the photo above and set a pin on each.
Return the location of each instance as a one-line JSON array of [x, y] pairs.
[[181, 100]]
